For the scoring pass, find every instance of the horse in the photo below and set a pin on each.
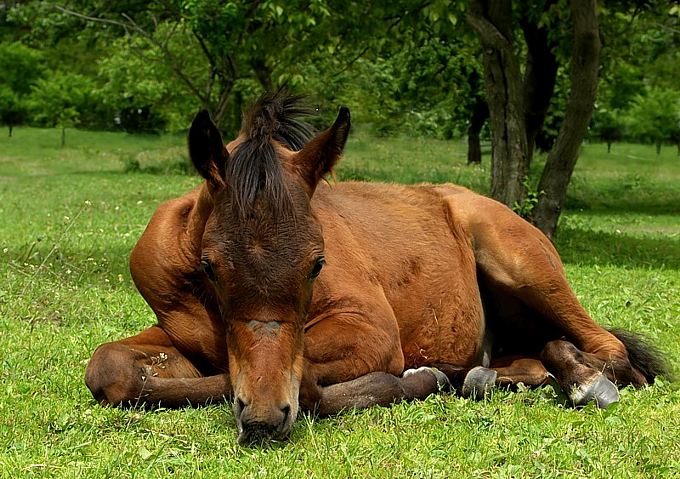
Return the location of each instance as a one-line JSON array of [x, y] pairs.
[[280, 292]]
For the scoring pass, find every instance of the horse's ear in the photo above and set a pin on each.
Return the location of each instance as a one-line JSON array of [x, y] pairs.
[[207, 150], [319, 156]]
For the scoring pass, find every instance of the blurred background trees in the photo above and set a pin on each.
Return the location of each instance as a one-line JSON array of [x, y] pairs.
[[409, 67]]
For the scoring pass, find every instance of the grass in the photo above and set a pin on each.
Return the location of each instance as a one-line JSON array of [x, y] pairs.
[[70, 216]]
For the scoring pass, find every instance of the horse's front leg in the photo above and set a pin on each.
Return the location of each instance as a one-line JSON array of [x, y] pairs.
[[352, 361], [147, 370], [380, 389]]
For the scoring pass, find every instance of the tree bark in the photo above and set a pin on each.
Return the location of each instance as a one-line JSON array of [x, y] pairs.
[[480, 113], [10, 130], [492, 20], [539, 80], [584, 77]]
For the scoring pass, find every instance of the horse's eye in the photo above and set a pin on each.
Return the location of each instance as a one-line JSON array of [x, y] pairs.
[[207, 268], [316, 269]]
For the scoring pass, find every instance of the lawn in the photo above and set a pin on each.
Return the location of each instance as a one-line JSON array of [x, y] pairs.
[[70, 216]]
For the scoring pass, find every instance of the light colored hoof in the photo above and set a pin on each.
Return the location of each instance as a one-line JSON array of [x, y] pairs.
[[601, 390], [478, 381]]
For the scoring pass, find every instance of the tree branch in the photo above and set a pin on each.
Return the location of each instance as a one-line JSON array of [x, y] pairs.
[[91, 19], [486, 30], [131, 25]]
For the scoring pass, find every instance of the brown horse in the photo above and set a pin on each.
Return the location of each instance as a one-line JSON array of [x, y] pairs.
[[282, 292]]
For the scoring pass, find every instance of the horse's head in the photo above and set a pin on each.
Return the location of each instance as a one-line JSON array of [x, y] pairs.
[[263, 248]]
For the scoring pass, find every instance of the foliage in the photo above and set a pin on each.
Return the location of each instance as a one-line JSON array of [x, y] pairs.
[[655, 115], [640, 70], [133, 79], [20, 68], [526, 208], [406, 67], [61, 99], [12, 108], [608, 125]]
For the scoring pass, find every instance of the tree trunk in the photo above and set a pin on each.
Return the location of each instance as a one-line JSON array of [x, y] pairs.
[[492, 20], [562, 158], [263, 73], [658, 148], [609, 147], [480, 113], [10, 130], [63, 136], [539, 79]]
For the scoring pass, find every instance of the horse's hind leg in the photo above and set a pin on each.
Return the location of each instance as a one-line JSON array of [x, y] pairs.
[[147, 370], [504, 372], [519, 260], [576, 375], [570, 369]]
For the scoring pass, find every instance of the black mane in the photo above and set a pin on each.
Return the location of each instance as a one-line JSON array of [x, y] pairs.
[[254, 168]]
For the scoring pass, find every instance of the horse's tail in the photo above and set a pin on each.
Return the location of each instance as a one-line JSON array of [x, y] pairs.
[[644, 357]]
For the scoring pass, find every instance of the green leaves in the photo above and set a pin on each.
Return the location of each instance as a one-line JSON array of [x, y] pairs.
[[60, 99], [655, 115]]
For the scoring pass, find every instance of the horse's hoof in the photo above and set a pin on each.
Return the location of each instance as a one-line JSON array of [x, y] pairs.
[[478, 381], [443, 383], [601, 390]]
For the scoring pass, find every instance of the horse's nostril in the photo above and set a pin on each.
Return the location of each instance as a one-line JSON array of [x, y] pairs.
[[286, 412]]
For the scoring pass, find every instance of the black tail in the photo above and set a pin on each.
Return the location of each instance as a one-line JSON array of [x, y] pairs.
[[647, 359]]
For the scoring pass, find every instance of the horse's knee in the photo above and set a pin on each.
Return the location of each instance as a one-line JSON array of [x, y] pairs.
[[110, 375]]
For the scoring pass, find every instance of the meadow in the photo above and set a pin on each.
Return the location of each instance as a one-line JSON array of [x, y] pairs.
[[70, 216]]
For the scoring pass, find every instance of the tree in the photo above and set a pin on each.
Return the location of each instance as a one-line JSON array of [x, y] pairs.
[[235, 40], [518, 106], [608, 126], [12, 108], [562, 157], [655, 115], [20, 68], [60, 100]]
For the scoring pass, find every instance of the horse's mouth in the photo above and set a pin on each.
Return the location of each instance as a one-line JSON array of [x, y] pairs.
[[262, 435]]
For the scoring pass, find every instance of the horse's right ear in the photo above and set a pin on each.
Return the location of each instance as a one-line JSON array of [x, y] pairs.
[[207, 150], [318, 157]]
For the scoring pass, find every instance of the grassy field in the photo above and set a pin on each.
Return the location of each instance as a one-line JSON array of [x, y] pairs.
[[70, 216]]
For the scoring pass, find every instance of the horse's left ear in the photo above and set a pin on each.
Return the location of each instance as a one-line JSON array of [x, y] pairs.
[[319, 156], [207, 150]]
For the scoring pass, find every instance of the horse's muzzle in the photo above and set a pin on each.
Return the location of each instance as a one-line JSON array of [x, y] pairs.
[[258, 427]]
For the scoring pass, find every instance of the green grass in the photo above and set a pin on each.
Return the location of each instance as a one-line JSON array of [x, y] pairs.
[[69, 218]]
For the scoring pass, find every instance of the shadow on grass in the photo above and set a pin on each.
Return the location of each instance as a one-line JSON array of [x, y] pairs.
[[588, 247], [648, 205]]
